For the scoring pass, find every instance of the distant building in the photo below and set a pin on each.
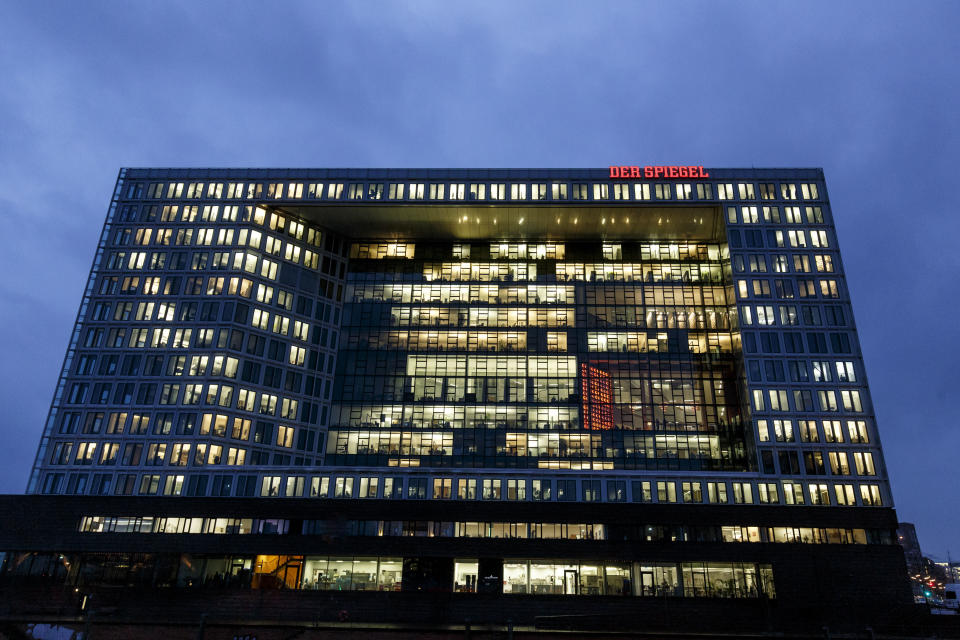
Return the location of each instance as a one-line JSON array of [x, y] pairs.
[[907, 535], [951, 571]]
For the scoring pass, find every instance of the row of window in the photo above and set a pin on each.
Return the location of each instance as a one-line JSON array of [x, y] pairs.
[[469, 191], [250, 239], [227, 215], [788, 492], [814, 462], [801, 400], [783, 430], [562, 577], [686, 415], [796, 238], [750, 214], [784, 289], [782, 263], [647, 251], [190, 394], [461, 529], [642, 296]]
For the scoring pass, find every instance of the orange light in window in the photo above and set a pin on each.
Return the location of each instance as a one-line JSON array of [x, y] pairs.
[[597, 387]]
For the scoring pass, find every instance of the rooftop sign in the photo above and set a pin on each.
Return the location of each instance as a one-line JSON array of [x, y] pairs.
[[657, 172]]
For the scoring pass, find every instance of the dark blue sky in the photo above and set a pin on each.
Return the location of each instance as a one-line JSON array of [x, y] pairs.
[[867, 90]]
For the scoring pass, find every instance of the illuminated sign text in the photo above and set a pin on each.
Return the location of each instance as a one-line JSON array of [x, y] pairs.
[[670, 171]]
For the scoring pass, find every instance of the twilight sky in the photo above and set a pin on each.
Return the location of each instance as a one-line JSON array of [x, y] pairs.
[[866, 90]]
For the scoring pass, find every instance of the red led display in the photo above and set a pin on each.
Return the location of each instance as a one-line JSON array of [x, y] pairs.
[[597, 387]]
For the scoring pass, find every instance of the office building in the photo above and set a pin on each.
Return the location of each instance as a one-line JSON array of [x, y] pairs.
[[602, 386]]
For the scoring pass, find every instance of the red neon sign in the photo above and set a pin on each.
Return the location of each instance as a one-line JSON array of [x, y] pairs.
[[669, 171]]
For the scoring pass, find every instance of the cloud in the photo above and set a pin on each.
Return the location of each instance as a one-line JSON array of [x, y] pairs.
[[866, 90]]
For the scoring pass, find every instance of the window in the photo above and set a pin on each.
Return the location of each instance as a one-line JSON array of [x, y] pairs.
[[851, 401], [767, 493], [763, 433], [742, 493], [692, 492], [478, 191], [783, 430], [832, 431], [717, 492], [616, 491], [813, 463], [666, 491], [491, 489], [819, 494], [870, 495], [839, 466], [417, 489], [541, 489], [517, 489], [641, 491], [778, 400], [864, 463], [808, 431], [809, 191], [591, 490], [442, 488], [857, 431]]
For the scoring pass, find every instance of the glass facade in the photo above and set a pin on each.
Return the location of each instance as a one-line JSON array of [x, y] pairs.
[[523, 335], [524, 382]]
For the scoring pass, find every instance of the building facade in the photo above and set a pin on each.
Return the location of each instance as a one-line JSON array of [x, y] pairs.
[[620, 381]]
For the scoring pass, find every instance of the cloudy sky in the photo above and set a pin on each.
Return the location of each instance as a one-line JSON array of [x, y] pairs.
[[866, 90]]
